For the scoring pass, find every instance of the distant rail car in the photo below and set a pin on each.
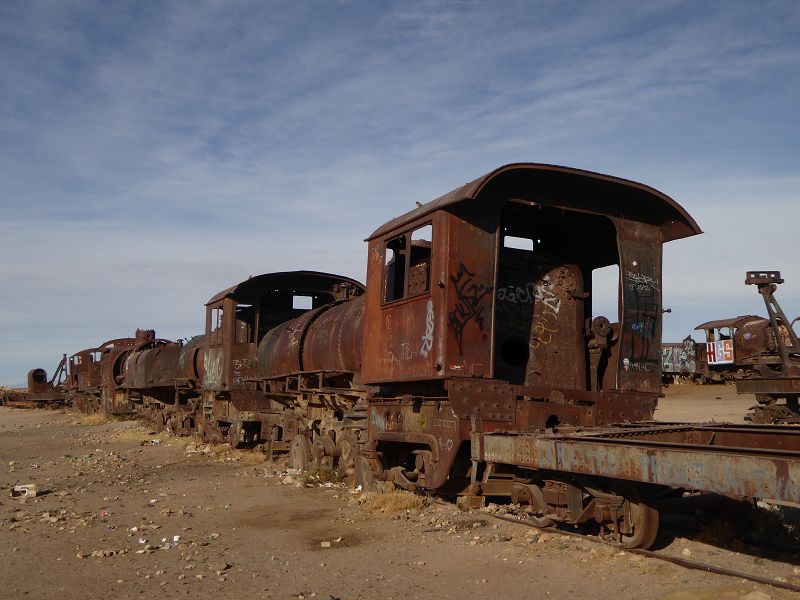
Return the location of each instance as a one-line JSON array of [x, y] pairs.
[[776, 381], [94, 374], [679, 360], [734, 348], [41, 391], [473, 362]]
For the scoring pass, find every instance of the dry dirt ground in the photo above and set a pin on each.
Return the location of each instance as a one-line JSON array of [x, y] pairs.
[[124, 516]]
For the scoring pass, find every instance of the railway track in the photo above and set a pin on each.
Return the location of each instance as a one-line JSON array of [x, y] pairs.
[[683, 562]]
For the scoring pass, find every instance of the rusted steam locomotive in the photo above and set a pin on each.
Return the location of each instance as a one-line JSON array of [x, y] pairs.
[[41, 391], [775, 381], [737, 347], [473, 363]]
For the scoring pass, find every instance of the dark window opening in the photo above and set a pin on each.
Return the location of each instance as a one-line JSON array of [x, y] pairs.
[[408, 273], [245, 321], [514, 351]]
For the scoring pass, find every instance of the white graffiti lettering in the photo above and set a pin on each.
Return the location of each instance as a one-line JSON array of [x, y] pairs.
[[642, 366], [427, 339], [640, 281], [546, 295], [445, 424], [516, 294]]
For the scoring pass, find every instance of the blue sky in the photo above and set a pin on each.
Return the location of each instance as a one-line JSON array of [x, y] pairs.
[[154, 153]]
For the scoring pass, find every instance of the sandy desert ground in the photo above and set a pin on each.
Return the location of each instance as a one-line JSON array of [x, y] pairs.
[[127, 514]]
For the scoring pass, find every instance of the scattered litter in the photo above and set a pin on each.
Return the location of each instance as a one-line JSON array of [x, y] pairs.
[[30, 489]]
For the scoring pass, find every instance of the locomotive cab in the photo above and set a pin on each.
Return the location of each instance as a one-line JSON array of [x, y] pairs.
[[734, 347], [495, 283], [238, 320]]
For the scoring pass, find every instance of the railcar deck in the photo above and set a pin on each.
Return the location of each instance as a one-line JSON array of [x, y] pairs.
[[738, 461]]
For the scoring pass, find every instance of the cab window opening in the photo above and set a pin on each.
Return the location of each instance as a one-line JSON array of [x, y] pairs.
[[216, 325], [605, 292], [407, 265]]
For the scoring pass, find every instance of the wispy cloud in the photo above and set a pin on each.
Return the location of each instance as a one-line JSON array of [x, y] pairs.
[[155, 153]]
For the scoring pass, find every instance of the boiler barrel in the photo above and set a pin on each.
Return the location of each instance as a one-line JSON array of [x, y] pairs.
[[153, 367], [37, 380], [191, 359], [328, 338]]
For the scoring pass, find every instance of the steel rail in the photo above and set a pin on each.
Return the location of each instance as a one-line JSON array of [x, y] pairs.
[[689, 564]]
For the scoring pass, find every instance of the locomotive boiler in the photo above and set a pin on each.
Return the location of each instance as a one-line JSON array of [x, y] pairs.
[[93, 374]]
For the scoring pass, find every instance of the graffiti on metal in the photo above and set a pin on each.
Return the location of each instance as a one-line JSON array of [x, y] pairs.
[[472, 302], [719, 352], [427, 339]]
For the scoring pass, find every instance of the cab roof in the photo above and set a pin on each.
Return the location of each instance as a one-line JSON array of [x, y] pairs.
[[565, 187], [304, 283], [732, 322]]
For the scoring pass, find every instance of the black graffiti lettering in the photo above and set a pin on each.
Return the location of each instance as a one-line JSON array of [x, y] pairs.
[[472, 299]]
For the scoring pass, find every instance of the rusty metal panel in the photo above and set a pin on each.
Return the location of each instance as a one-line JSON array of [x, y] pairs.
[[557, 342], [470, 299], [539, 320], [405, 332], [735, 472], [213, 359], [428, 423], [508, 450], [640, 337], [491, 400], [242, 365], [776, 385]]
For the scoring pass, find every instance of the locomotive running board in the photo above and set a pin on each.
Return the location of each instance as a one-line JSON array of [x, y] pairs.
[[709, 458]]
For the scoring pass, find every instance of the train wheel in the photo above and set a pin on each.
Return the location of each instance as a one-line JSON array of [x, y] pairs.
[[234, 435], [208, 431], [360, 473], [300, 453], [158, 421], [345, 448], [187, 426], [765, 399], [324, 450], [536, 509], [641, 524]]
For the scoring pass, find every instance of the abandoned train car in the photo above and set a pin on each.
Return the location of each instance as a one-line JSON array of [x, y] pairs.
[[474, 362]]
